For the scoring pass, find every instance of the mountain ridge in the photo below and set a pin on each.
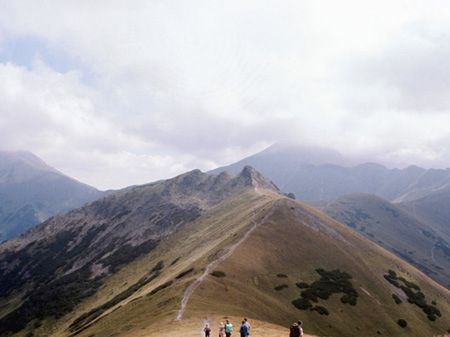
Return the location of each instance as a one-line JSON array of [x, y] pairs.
[[122, 264]]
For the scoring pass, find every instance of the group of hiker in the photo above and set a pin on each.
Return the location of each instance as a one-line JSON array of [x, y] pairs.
[[226, 329]]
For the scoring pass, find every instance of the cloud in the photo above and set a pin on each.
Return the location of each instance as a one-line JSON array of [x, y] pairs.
[[119, 93]]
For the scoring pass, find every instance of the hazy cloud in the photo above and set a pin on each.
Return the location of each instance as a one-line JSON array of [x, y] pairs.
[[116, 93]]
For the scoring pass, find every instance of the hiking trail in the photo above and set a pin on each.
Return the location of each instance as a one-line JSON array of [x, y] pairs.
[[229, 251]]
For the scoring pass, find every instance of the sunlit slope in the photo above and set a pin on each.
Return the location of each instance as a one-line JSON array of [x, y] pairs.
[[187, 251], [259, 240], [289, 239], [294, 241]]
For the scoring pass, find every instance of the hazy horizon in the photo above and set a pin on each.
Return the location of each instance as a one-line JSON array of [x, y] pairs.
[[116, 94], [343, 161]]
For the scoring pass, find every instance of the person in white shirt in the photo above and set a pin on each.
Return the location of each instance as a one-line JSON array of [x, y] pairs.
[[247, 324]]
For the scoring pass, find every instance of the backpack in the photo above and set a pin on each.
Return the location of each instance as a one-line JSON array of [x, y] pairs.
[[295, 331]]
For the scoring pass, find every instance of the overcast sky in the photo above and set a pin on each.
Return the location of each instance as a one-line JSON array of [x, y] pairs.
[[115, 93]]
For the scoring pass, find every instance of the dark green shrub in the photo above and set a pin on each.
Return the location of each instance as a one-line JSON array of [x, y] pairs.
[[302, 285], [330, 282], [158, 267], [184, 273], [176, 260], [218, 273], [431, 317], [302, 303], [281, 287], [414, 294], [348, 299], [161, 287], [397, 299], [321, 310], [402, 323], [409, 284]]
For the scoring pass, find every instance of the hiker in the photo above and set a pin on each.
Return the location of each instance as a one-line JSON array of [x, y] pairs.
[[300, 328], [295, 330], [207, 331], [247, 324], [244, 329], [228, 328], [221, 330]]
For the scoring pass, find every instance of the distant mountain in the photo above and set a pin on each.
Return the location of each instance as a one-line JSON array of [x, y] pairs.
[[163, 259], [396, 230], [315, 174], [31, 192], [433, 209]]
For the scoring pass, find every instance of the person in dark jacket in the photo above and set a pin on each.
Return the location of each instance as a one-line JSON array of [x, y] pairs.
[[295, 331], [244, 329], [207, 330]]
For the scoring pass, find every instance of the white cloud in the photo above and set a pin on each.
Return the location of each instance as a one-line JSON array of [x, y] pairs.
[[160, 87]]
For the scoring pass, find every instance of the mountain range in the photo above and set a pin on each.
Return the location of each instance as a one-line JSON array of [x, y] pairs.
[[163, 259], [315, 174], [31, 191]]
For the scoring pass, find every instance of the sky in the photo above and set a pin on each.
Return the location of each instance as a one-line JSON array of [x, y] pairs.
[[116, 93]]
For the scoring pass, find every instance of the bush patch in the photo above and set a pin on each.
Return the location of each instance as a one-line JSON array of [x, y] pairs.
[[330, 282]]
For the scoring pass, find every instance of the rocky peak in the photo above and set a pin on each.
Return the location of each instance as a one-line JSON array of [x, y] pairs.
[[249, 176]]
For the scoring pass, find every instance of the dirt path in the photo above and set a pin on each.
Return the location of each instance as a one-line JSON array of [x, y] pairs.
[[229, 251], [432, 253]]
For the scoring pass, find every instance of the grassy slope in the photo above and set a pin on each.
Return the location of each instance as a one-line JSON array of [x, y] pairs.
[[395, 230], [284, 242], [285, 245], [195, 245]]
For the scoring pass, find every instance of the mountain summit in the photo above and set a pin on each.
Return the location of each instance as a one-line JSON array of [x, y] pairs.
[[251, 177]]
